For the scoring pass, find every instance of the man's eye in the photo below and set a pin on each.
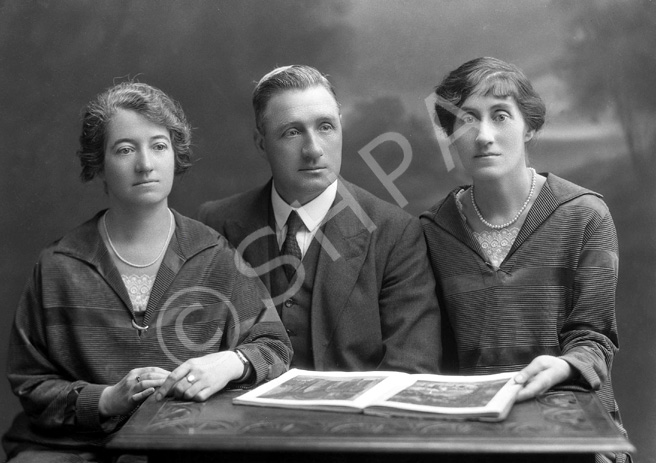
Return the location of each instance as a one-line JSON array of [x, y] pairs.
[[160, 147]]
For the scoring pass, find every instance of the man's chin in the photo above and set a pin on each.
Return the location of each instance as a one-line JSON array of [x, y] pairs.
[[310, 190]]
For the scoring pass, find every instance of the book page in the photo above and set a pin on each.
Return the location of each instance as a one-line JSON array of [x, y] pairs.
[[454, 395], [322, 390], [447, 394]]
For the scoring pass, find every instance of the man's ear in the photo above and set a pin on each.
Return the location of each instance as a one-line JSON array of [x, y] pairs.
[[258, 139]]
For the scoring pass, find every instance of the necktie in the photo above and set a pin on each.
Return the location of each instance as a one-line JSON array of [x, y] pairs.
[[290, 246]]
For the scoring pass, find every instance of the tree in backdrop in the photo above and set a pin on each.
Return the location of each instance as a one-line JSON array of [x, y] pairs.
[[610, 63]]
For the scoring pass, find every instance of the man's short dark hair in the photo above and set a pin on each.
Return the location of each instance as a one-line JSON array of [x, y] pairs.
[[294, 77]]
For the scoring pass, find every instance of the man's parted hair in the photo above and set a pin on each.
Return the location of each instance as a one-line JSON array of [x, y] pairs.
[[294, 77]]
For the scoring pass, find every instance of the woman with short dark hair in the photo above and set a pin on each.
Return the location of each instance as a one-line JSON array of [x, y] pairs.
[[526, 263]]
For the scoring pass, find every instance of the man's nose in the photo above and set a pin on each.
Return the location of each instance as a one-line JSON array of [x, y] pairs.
[[312, 147]]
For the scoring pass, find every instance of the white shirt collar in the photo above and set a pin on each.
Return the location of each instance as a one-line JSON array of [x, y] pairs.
[[312, 213]]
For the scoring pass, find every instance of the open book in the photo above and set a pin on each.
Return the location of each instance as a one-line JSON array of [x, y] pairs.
[[487, 398]]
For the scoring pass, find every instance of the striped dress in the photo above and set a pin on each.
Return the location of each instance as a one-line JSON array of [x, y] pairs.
[[553, 294], [73, 333]]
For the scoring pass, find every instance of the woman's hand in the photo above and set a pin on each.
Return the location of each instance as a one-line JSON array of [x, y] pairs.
[[134, 388], [199, 378], [542, 374]]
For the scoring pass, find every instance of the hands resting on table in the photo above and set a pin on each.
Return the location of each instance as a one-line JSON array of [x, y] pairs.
[[199, 378], [196, 379], [544, 372]]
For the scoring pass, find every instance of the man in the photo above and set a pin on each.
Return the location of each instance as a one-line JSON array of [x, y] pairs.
[[350, 279]]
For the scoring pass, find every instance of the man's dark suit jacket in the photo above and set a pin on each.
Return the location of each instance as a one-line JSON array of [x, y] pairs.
[[375, 307]]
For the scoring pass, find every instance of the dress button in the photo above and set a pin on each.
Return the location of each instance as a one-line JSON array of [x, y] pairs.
[[289, 303], [290, 333]]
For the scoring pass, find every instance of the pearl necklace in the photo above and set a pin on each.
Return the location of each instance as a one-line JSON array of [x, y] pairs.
[[514, 219], [166, 243]]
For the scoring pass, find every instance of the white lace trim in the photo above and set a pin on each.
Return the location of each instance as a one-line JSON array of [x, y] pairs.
[[496, 244], [138, 287]]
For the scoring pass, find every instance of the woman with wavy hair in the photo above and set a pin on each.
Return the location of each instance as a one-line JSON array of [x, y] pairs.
[[139, 300]]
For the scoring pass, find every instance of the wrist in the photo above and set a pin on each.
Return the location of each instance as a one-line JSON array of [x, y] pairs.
[[248, 368], [569, 372], [102, 403]]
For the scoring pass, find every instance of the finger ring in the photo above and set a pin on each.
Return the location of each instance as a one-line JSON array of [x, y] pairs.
[[191, 379], [138, 379]]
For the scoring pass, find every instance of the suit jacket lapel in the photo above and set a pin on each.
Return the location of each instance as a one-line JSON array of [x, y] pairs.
[[335, 279], [252, 234]]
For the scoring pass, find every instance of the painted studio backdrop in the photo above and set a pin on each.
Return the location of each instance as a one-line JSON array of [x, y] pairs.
[[593, 62]]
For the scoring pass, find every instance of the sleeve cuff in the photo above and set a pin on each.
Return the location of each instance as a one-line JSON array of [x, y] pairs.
[[260, 368], [585, 374], [87, 414]]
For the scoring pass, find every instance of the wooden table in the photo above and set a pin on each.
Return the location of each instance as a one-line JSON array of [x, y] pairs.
[[560, 427]]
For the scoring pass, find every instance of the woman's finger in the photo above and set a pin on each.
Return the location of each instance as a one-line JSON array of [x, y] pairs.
[[150, 383], [172, 383], [143, 395], [186, 387], [202, 395]]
